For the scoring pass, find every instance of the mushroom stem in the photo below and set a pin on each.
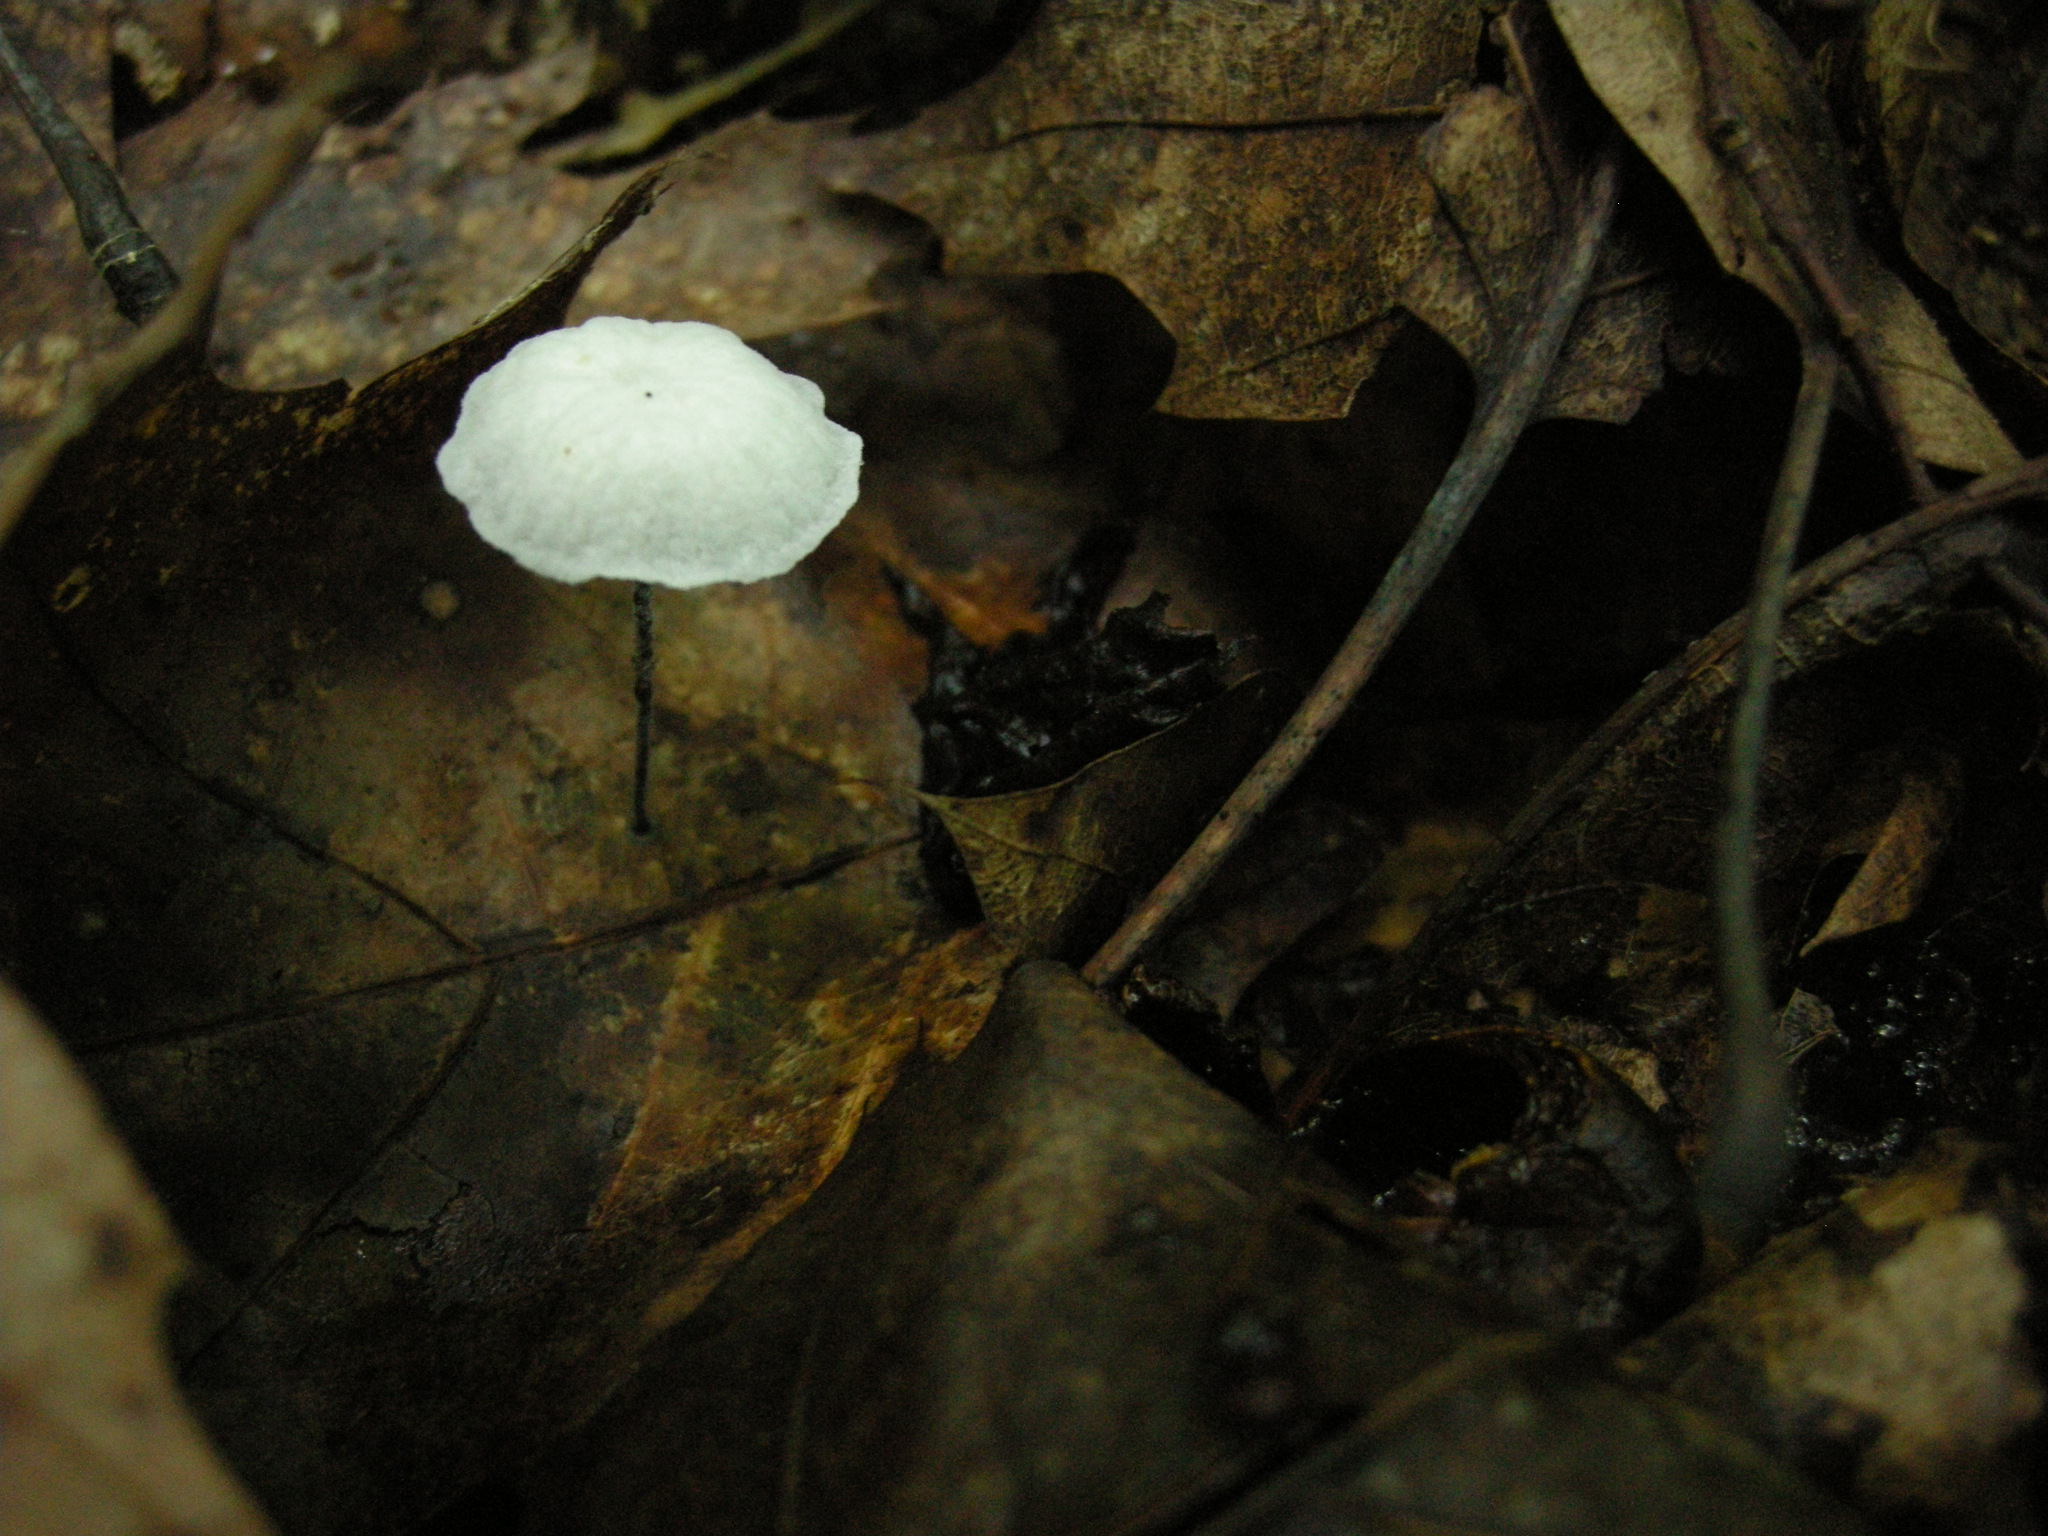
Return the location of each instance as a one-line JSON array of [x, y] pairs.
[[643, 696]]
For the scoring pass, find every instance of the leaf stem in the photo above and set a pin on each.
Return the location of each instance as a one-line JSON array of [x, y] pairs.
[[1496, 426], [119, 247], [1748, 1156]]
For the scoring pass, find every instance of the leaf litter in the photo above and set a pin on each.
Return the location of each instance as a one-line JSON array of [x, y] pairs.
[[432, 1063]]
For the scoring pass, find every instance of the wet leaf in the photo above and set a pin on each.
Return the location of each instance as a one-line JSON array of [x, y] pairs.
[[1247, 172], [93, 1434], [316, 851], [1883, 1348], [1054, 868], [1957, 111], [1072, 1288], [1638, 57], [1903, 857], [1592, 924], [1528, 1167]]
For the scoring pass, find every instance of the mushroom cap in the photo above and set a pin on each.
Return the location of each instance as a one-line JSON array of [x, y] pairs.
[[649, 450]]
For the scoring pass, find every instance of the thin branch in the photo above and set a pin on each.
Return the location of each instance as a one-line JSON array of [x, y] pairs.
[[1496, 427], [2022, 595], [1732, 136], [644, 119], [1749, 1154], [119, 247], [185, 317]]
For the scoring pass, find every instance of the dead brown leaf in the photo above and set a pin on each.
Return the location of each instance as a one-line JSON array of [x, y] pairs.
[[93, 1434], [1061, 1285], [1248, 172], [1901, 860], [400, 233], [1055, 867], [1884, 1347], [1592, 920], [1953, 99], [316, 847], [1638, 56], [1490, 245]]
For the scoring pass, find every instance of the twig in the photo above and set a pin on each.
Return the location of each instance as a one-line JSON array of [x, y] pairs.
[[643, 118], [1548, 149], [1732, 136], [1983, 497], [1749, 1155], [184, 318], [120, 249], [1495, 428], [2022, 594]]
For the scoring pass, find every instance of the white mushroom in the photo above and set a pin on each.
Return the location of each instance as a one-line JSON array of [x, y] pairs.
[[660, 451], [663, 452]]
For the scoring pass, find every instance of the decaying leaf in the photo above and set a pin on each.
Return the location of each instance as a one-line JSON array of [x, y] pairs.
[[1528, 1167], [1070, 1288], [1055, 868], [402, 231], [1958, 113], [316, 853], [1638, 56], [1592, 922], [1901, 860], [1247, 171], [1884, 1348], [93, 1435]]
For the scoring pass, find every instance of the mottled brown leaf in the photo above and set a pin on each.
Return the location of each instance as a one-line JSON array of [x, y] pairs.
[[1492, 235], [1884, 1348], [401, 232], [1247, 171], [315, 846]]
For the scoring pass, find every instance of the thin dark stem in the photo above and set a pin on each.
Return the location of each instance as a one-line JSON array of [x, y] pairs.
[[137, 272], [1749, 1155], [1731, 135], [1495, 428], [643, 697]]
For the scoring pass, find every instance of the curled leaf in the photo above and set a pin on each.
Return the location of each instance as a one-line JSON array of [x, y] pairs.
[[1903, 857], [1638, 56]]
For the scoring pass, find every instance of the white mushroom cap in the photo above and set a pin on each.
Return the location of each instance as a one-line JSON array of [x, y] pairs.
[[648, 450]]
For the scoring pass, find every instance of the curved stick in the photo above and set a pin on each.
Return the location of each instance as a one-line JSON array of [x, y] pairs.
[[1496, 426]]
